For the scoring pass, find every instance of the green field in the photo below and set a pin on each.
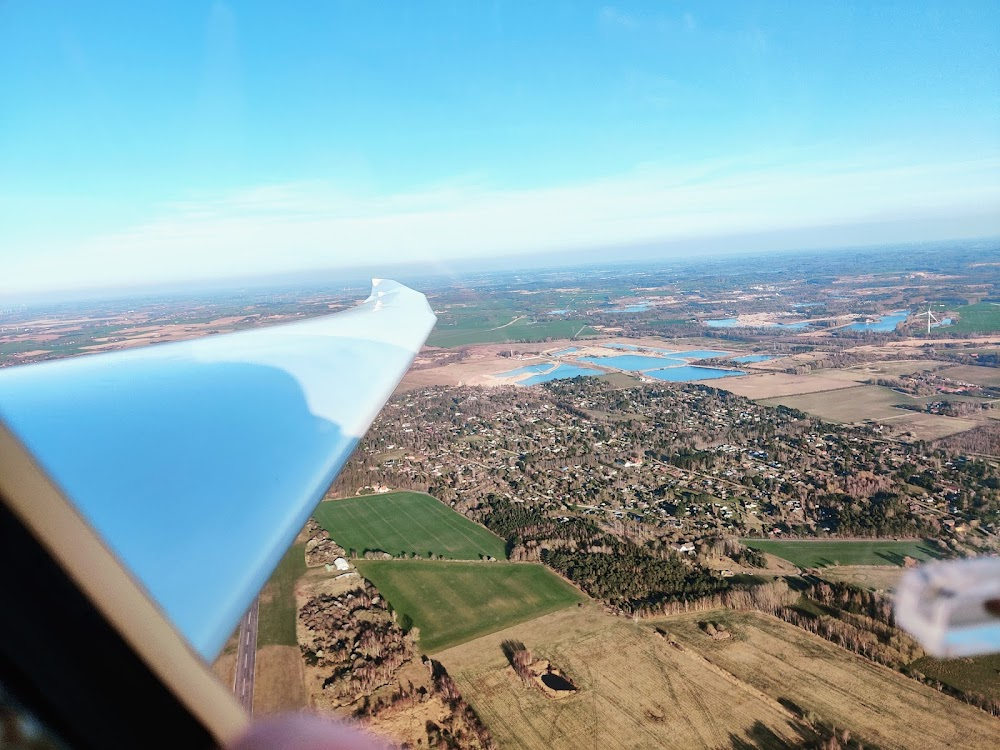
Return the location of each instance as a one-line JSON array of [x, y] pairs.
[[404, 523], [981, 318], [454, 602], [491, 332], [978, 675], [276, 625], [818, 554]]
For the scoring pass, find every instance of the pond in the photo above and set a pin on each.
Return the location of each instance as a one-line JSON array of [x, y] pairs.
[[747, 359], [557, 682]]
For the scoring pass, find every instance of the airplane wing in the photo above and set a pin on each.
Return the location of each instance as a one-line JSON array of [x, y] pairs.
[[952, 608], [198, 462]]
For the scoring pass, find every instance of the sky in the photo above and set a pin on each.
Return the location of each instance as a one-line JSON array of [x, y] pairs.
[[144, 143]]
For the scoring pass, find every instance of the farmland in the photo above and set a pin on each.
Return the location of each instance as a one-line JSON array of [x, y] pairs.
[[847, 404], [981, 318], [978, 675], [635, 690], [876, 704], [816, 554], [453, 602], [872, 577], [277, 600], [404, 523], [973, 374], [498, 330]]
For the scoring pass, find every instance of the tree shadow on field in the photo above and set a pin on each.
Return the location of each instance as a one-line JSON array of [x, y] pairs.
[[894, 558], [762, 737]]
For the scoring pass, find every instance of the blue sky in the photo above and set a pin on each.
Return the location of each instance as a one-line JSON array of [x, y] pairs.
[[204, 139]]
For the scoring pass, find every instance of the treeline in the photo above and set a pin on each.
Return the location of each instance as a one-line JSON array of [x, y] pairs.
[[616, 570], [734, 549], [884, 514], [629, 578]]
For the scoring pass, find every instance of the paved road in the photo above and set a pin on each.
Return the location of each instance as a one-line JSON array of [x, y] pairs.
[[246, 657]]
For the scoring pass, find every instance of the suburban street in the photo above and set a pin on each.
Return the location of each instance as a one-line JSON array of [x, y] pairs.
[[246, 654]]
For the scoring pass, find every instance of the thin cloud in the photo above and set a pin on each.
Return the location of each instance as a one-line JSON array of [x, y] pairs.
[[609, 15], [298, 226]]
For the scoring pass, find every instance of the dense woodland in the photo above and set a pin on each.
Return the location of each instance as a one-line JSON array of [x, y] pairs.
[[355, 640]]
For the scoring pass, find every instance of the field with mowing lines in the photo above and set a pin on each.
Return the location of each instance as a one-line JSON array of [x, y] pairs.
[[873, 577], [453, 602], [276, 625], [404, 523], [981, 318], [512, 329], [817, 554], [978, 675], [876, 704], [635, 690]]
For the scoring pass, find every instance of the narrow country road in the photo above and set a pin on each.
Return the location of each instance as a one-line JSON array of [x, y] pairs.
[[246, 656]]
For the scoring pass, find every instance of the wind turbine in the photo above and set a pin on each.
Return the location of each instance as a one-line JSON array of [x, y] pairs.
[[930, 317]]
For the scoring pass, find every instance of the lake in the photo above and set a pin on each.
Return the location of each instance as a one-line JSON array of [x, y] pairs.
[[525, 370], [687, 373], [735, 322], [640, 307], [747, 359], [562, 372], [633, 362], [884, 323], [634, 348], [702, 354]]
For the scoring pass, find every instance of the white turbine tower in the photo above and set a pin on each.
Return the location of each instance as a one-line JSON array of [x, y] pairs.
[[930, 317]]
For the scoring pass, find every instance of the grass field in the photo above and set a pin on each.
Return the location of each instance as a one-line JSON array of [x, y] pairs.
[[846, 405], [977, 675], [981, 318], [816, 554], [406, 523], [497, 331], [634, 691], [873, 577], [453, 602], [276, 625], [878, 705]]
